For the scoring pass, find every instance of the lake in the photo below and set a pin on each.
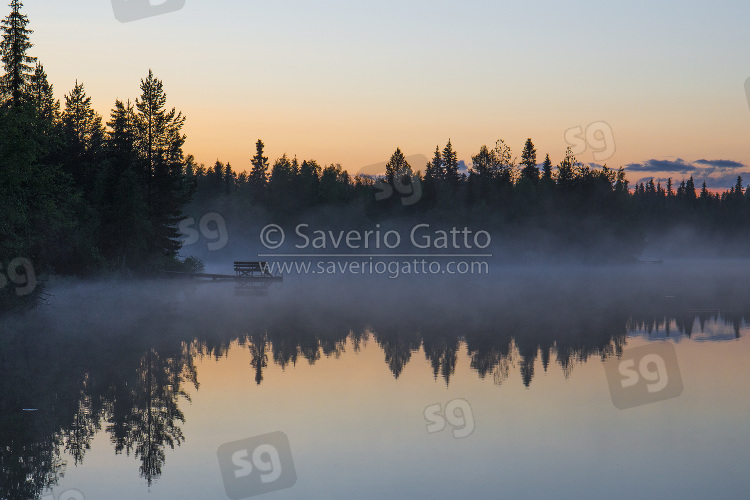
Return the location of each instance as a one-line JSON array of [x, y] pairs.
[[556, 382]]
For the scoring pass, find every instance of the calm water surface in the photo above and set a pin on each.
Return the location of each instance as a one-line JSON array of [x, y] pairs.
[[136, 386]]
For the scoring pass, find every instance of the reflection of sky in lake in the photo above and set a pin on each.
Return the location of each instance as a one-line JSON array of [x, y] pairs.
[[358, 431]]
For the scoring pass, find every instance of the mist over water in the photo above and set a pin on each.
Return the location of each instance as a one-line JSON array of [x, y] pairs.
[[117, 368]]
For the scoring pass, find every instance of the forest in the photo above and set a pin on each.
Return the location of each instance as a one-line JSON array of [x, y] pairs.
[[84, 195]]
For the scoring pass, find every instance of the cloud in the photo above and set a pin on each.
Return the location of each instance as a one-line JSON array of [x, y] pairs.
[[723, 164], [654, 165], [718, 174]]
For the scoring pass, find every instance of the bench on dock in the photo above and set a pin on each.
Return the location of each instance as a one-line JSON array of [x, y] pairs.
[[252, 270]]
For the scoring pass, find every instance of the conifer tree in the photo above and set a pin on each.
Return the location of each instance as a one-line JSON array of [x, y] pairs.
[[84, 135], [435, 171], [42, 96], [565, 173], [690, 189], [450, 164], [259, 173], [704, 192], [547, 169], [159, 141], [120, 138], [504, 168], [14, 54], [528, 160], [398, 169]]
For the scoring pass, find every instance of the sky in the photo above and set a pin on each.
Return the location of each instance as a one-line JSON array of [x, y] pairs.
[[656, 87]]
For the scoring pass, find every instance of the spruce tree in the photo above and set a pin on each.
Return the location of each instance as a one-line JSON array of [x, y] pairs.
[[159, 141], [450, 164], [120, 138], [398, 169], [528, 160], [690, 189], [84, 135], [259, 173], [547, 169], [124, 220], [42, 96], [504, 168], [14, 54], [435, 171], [565, 172]]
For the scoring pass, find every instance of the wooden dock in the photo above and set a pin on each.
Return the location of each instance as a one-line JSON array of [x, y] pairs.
[[244, 273]]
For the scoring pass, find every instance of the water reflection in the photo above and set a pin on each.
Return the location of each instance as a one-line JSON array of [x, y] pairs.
[[128, 377]]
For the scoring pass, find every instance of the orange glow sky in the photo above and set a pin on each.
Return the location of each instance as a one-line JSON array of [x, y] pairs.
[[348, 82]]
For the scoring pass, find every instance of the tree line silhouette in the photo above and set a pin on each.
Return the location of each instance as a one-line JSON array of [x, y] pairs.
[[80, 195]]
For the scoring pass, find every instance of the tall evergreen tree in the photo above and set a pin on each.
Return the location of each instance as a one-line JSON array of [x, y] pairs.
[[309, 180], [565, 171], [398, 169], [528, 160], [14, 54], [159, 140], [450, 164], [505, 165], [42, 96], [84, 135], [259, 174], [690, 189], [547, 169], [435, 171], [124, 220]]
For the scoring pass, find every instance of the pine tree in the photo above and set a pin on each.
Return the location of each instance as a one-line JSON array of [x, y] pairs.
[[120, 199], [704, 192], [483, 165], [690, 189], [159, 141], [547, 169], [42, 96], [84, 136], [282, 184], [504, 165], [435, 171], [120, 138], [450, 164], [309, 179], [13, 52], [528, 160], [398, 169], [259, 173], [565, 174]]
